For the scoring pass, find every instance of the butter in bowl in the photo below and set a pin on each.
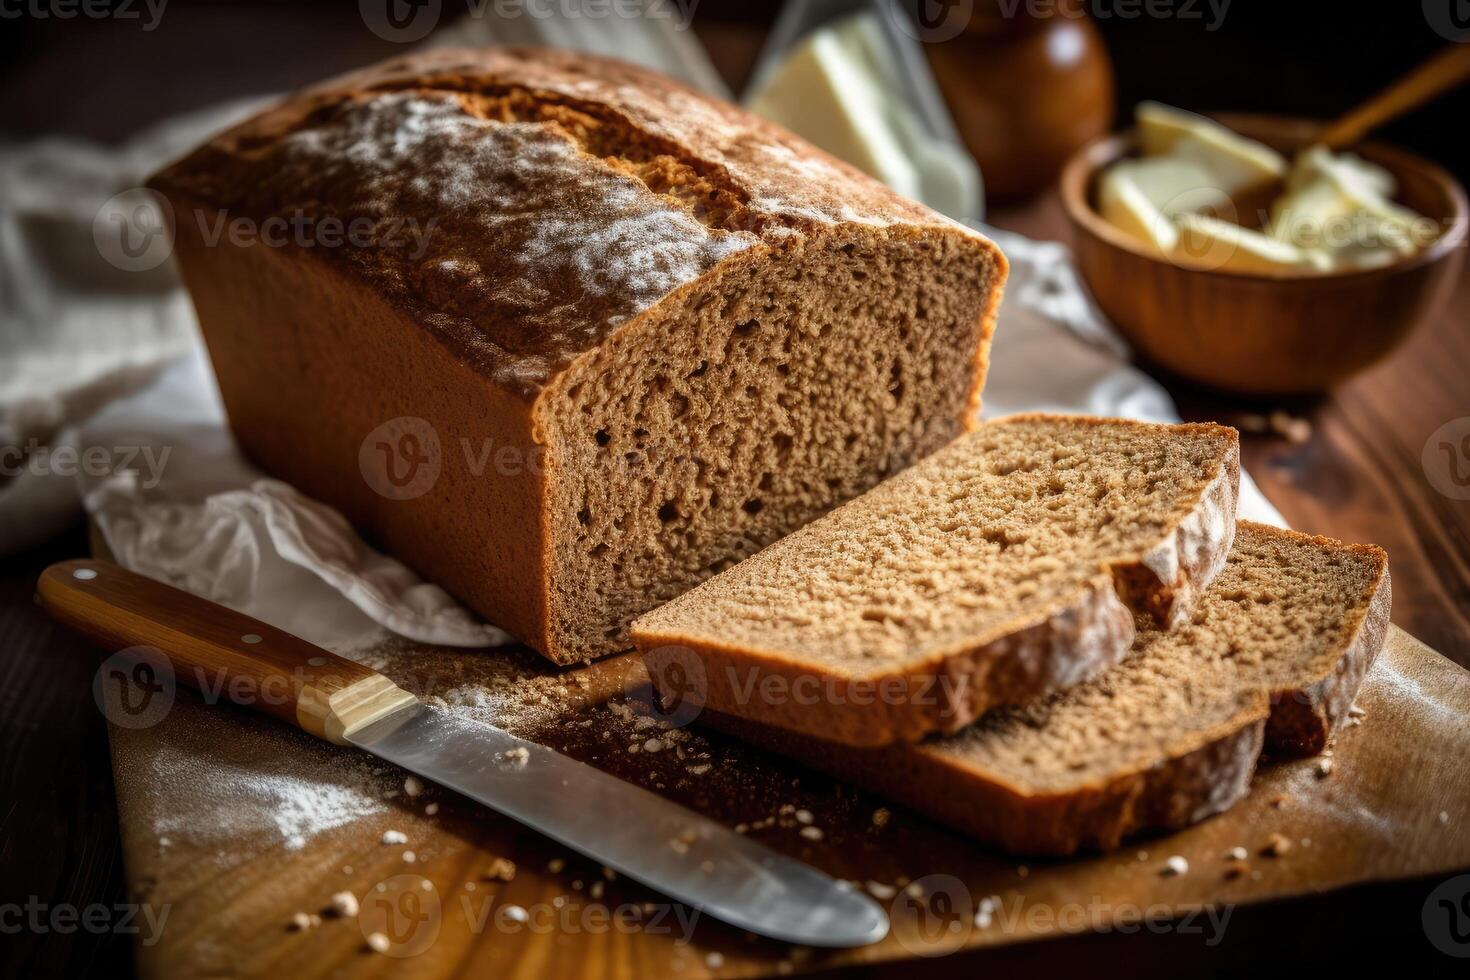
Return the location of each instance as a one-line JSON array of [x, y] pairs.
[[1240, 253], [1190, 193]]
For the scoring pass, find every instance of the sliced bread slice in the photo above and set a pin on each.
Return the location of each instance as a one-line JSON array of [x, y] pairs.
[[1273, 654], [990, 573]]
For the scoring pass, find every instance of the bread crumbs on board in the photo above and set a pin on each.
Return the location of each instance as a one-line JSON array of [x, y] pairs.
[[1276, 845]]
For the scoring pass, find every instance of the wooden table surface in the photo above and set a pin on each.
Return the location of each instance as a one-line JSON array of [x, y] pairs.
[[1359, 476]]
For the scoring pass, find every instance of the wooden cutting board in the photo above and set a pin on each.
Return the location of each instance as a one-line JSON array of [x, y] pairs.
[[233, 824]]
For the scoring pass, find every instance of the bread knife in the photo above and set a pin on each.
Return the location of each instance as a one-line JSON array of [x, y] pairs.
[[667, 847]]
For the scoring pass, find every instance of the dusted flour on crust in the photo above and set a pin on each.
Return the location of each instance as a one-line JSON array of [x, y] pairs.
[[511, 205]]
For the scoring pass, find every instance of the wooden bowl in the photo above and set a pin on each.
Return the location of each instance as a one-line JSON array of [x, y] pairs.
[[1265, 334]]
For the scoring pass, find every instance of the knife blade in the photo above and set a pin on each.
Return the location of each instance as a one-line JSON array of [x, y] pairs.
[[686, 856]]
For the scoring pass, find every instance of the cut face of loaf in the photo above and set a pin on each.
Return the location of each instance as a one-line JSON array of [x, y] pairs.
[[747, 407], [586, 337], [1273, 654], [991, 573]]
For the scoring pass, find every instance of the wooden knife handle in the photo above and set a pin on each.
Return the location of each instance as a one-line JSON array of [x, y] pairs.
[[219, 651]]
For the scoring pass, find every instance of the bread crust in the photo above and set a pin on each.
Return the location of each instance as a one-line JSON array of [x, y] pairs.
[[1171, 576], [1305, 717], [950, 689], [271, 314], [945, 694], [773, 184], [1207, 779]]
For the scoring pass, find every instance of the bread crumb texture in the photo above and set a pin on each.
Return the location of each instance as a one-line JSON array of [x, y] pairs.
[[993, 534]]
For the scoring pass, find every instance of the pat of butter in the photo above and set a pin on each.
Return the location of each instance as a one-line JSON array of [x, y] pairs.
[[1143, 197], [1173, 185], [1339, 204], [1347, 169], [1237, 163], [1123, 202], [824, 93], [1216, 244]]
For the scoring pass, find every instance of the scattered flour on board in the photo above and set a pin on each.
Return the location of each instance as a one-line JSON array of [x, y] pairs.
[[1394, 684], [290, 796]]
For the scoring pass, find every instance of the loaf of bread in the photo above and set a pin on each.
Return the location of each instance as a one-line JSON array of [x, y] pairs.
[[564, 335], [994, 572], [1272, 655]]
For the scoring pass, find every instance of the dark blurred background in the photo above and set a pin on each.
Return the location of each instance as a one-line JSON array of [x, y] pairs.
[[104, 79]]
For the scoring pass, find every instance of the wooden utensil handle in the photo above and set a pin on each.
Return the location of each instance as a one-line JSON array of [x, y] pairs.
[[219, 651], [1446, 70]]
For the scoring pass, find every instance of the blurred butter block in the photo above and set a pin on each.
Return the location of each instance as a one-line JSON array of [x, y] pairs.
[[1237, 163], [1318, 161], [1218, 244], [1144, 196], [848, 87], [1123, 200], [1174, 185], [826, 93], [1339, 205]]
